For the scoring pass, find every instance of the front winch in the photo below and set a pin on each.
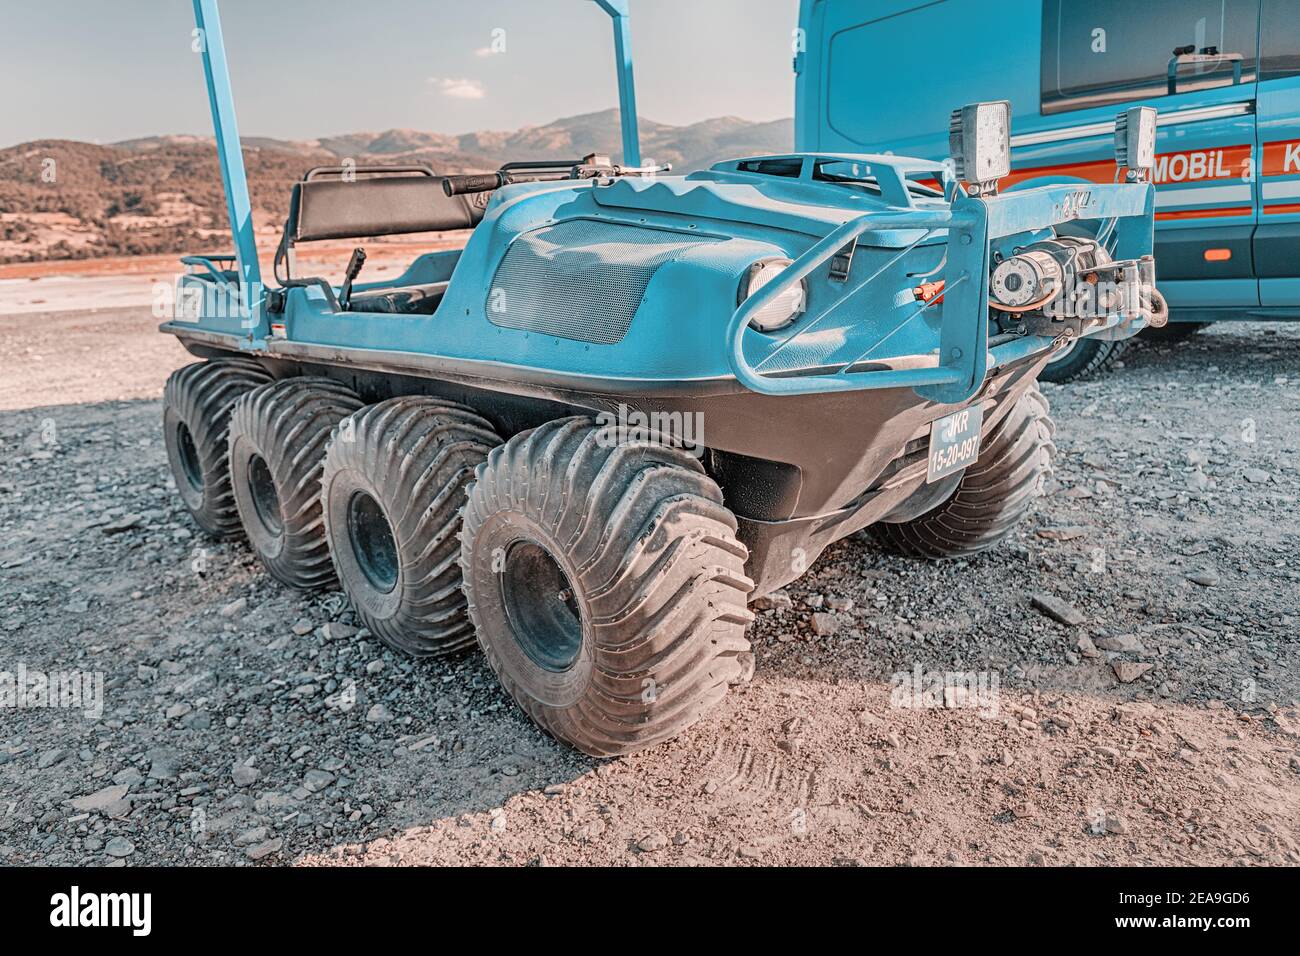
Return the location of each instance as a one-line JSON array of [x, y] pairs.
[[1071, 281], [1027, 281]]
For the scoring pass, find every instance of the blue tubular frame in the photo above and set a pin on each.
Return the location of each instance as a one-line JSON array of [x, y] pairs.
[[957, 371], [618, 11], [221, 100], [209, 264], [216, 73], [820, 253]]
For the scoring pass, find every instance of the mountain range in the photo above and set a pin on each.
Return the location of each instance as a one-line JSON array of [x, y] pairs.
[[63, 199]]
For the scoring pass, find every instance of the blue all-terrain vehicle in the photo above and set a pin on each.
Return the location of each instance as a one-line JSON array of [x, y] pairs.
[[634, 402]]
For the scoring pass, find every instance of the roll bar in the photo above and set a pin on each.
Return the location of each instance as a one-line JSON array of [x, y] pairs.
[[234, 178]]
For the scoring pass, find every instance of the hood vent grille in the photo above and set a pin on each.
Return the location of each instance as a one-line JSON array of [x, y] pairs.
[[581, 279]]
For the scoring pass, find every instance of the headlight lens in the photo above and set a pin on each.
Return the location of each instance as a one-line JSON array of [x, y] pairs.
[[782, 310]]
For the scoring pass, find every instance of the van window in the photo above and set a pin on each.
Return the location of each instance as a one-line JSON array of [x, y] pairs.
[[1279, 45], [1105, 52]]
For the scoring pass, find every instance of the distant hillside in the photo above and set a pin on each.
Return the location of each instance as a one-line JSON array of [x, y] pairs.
[[61, 199]]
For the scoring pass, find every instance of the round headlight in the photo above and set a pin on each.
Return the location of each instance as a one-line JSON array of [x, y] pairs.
[[782, 310]]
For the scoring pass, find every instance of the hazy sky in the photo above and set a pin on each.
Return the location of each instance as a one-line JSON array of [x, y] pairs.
[[105, 71]]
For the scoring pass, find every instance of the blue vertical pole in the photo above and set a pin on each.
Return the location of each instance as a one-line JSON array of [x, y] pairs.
[[618, 11], [222, 102]]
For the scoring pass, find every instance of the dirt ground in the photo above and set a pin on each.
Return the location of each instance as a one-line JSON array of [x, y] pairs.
[[243, 722]]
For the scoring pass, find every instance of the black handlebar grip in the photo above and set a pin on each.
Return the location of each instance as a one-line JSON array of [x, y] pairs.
[[479, 183]]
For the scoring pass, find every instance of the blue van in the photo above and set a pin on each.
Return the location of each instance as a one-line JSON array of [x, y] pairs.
[[881, 76]]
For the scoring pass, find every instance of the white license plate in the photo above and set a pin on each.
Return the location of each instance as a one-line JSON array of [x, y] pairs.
[[954, 442]]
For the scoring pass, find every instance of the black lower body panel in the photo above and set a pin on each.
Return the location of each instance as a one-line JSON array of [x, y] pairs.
[[798, 471]]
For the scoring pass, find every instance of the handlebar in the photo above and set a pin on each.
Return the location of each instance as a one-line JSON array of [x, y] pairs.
[[589, 167], [474, 183]]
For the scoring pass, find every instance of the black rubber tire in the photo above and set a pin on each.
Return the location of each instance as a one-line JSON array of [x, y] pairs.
[[1089, 357], [1173, 332], [412, 458], [197, 402], [285, 426], [647, 629], [993, 495]]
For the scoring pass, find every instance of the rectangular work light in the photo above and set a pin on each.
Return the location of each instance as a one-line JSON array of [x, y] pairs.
[[979, 141], [1135, 138]]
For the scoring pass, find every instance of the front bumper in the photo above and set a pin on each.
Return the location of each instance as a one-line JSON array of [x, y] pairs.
[[963, 355]]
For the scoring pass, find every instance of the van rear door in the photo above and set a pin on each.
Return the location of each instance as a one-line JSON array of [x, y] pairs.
[[882, 75], [1277, 240]]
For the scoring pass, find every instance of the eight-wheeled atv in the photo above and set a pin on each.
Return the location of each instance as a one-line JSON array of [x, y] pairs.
[[634, 402]]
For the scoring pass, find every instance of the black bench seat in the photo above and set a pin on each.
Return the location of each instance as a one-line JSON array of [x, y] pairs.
[[375, 201]]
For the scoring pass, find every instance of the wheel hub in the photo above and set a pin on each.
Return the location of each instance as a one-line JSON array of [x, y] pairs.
[[188, 452], [541, 607], [373, 544], [261, 488]]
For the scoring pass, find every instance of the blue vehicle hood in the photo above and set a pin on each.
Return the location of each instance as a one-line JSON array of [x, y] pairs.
[[811, 209]]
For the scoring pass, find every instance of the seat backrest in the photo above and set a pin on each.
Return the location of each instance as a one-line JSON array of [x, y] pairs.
[[387, 205]]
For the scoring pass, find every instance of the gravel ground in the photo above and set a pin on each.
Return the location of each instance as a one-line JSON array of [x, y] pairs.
[[1133, 648]]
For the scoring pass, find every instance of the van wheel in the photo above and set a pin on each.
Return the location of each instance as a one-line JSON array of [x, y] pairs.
[[197, 402], [391, 491], [606, 585], [277, 447], [1082, 358], [993, 495]]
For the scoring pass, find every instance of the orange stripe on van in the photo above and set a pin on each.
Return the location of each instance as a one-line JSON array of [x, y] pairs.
[[1187, 166], [1102, 172], [1203, 213], [1281, 158]]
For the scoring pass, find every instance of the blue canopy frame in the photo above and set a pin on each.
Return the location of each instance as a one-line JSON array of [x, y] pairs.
[[221, 100]]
